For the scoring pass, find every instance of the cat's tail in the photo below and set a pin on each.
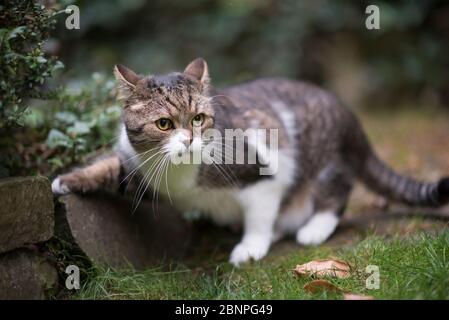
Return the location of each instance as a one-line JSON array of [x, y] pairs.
[[385, 181]]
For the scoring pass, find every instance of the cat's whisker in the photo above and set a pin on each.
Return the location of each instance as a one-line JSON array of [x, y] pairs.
[[156, 181], [225, 153], [231, 173], [139, 192], [140, 154], [115, 138], [156, 185], [212, 179], [134, 171], [228, 179], [161, 175], [211, 98], [233, 177], [146, 173], [167, 167], [152, 170], [225, 176], [139, 188]]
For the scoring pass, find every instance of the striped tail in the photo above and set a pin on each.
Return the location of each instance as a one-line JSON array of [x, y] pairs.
[[383, 180]]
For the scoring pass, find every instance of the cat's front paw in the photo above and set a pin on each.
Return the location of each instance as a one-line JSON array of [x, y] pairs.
[[77, 181], [248, 249], [59, 187]]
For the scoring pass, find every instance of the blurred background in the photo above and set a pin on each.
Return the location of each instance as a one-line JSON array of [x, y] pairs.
[[402, 66], [322, 41]]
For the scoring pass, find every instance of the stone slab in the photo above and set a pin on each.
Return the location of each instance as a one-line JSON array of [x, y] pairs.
[[26, 212], [106, 230], [25, 274]]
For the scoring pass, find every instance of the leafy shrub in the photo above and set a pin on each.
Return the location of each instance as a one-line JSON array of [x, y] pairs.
[[24, 67], [60, 126], [82, 121], [60, 132]]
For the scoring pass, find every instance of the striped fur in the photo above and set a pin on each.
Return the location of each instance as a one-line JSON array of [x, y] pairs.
[[385, 181]]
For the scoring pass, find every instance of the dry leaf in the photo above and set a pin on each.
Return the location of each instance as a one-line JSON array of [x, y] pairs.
[[325, 267], [351, 296], [321, 285]]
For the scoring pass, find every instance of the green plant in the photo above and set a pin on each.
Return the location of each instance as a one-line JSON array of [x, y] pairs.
[[80, 121], [24, 67]]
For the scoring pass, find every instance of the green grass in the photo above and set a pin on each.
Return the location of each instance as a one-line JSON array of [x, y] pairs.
[[416, 267]]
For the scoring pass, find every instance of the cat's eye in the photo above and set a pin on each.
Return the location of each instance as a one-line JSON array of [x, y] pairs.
[[164, 124], [198, 120]]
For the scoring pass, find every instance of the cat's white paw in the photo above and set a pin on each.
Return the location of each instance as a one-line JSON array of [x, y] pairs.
[[318, 229], [59, 188], [248, 249]]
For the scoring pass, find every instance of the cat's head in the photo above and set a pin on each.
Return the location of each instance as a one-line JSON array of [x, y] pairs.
[[168, 111]]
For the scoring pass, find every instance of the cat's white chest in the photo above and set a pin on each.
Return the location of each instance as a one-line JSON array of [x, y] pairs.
[[179, 185]]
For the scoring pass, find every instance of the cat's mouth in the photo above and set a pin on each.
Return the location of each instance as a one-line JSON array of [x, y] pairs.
[[183, 148]]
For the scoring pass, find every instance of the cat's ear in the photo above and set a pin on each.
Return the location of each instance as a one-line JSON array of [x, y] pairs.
[[198, 69], [127, 80]]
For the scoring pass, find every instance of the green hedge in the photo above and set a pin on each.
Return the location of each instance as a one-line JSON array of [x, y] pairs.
[[24, 67]]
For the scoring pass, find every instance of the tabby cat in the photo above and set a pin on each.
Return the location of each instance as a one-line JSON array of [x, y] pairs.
[[321, 150]]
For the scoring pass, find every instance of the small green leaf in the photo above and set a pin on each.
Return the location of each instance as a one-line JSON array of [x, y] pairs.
[[56, 139], [66, 117], [15, 32], [79, 128]]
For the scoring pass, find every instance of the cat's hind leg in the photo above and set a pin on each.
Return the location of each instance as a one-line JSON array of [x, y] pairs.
[[330, 196], [295, 212], [103, 173], [318, 229]]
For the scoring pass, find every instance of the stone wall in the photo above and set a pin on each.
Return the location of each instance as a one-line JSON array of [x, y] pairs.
[[100, 226], [26, 219]]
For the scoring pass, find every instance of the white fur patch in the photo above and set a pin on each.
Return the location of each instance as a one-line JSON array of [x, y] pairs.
[[287, 118], [250, 248], [260, 203], [318, 229], [294, 217], [126, 149], [176, 144], [58, 188]]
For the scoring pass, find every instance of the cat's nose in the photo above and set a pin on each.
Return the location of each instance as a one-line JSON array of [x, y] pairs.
[[187, 142]]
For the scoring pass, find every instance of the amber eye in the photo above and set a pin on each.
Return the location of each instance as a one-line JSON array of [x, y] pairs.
[[164, 124], [198, 120]]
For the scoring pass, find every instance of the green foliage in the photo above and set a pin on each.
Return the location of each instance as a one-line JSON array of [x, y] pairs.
[[24, 67], [79, 121]]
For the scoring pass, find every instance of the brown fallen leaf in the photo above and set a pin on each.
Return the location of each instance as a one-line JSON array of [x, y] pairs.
[[324, 267], [317, 286], [351, 296], [321, 285]]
